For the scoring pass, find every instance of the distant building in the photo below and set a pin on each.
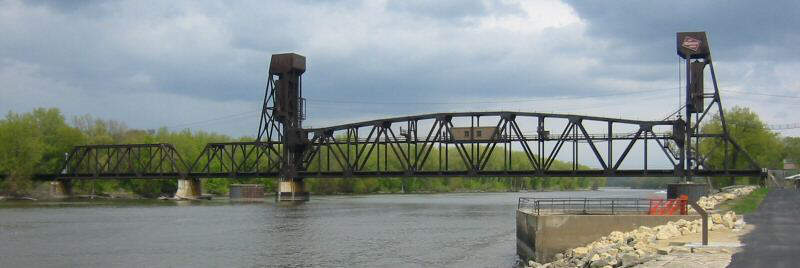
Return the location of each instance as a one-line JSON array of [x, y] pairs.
[[790, 164]]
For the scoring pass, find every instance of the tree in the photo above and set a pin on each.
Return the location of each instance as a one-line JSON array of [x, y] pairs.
[[747, 129], [20, 152], [56, 137], [791, 148]]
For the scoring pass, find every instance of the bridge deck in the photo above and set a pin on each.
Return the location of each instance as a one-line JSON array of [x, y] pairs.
[[431, 174]]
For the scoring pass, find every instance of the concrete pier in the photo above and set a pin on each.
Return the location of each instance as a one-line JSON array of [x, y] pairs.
[[188, 189], [292, 190], [61, 189]]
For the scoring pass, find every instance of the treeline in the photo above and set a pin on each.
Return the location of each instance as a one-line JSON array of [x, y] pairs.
[[36, 142]]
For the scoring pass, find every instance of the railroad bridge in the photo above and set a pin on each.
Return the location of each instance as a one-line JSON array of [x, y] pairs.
[[432, 145]]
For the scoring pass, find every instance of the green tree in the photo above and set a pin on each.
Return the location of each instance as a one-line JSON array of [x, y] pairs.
[[791, 148], [21, 149], [747, 129], [56, 136]]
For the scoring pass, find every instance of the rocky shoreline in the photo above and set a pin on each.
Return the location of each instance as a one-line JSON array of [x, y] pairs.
[[629, 249], [730, 193]]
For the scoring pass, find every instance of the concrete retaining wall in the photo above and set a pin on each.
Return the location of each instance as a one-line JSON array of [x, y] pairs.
[[540, 237]]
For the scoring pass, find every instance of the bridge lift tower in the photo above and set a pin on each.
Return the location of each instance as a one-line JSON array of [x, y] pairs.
[[694, 48], [284, 104]]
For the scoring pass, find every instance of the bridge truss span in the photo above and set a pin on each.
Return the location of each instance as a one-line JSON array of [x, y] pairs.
[[124, 161], [485, 143], [431, 145]]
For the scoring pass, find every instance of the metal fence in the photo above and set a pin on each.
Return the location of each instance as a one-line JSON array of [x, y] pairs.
[[582, 206]]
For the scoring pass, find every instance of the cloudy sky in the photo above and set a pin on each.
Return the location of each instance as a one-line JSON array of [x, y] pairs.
[[202, 64]]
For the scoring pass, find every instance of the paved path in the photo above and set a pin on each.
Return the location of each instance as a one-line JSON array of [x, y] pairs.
[[775, 242]]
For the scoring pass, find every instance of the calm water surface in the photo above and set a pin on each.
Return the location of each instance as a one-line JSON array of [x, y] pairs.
[[438, 230]]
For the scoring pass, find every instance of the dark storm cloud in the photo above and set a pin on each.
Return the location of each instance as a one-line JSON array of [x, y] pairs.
[[736, 28], [103, 47]]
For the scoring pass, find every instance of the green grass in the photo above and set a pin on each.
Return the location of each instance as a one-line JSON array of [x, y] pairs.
[[749, 203]]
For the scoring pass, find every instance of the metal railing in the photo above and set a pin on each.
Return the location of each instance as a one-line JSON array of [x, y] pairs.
[[584, 206], [525, 136]]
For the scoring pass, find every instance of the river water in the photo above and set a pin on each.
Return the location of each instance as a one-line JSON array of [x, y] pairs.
[[420, 230]]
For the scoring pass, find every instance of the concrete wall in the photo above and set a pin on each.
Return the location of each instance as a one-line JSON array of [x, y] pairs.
[[541, 237]]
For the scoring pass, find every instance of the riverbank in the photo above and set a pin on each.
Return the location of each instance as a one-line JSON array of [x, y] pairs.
[[685, 251], [747, 204], [665, 244], [132, 196], [646, 244]]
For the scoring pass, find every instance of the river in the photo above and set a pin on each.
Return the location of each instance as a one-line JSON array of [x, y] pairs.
[[418, 230]]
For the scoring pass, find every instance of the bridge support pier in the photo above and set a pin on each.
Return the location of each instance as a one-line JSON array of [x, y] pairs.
[[188, 189], [292, 190], [61, 189]]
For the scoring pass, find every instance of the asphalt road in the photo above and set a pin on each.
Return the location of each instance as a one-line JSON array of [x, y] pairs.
[[775, 241]]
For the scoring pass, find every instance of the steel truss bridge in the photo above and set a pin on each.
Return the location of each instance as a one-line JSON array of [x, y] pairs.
[[436, 145], [378, 149]]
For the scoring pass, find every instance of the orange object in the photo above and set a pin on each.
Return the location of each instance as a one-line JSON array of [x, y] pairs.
[[669, 206]]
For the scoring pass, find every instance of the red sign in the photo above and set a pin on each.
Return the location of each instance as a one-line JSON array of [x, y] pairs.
[[691, 43]]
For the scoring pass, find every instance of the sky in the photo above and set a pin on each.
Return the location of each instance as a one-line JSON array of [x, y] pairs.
[[201, 65]]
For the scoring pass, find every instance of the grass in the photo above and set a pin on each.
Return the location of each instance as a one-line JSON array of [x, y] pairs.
[[749, 203]]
